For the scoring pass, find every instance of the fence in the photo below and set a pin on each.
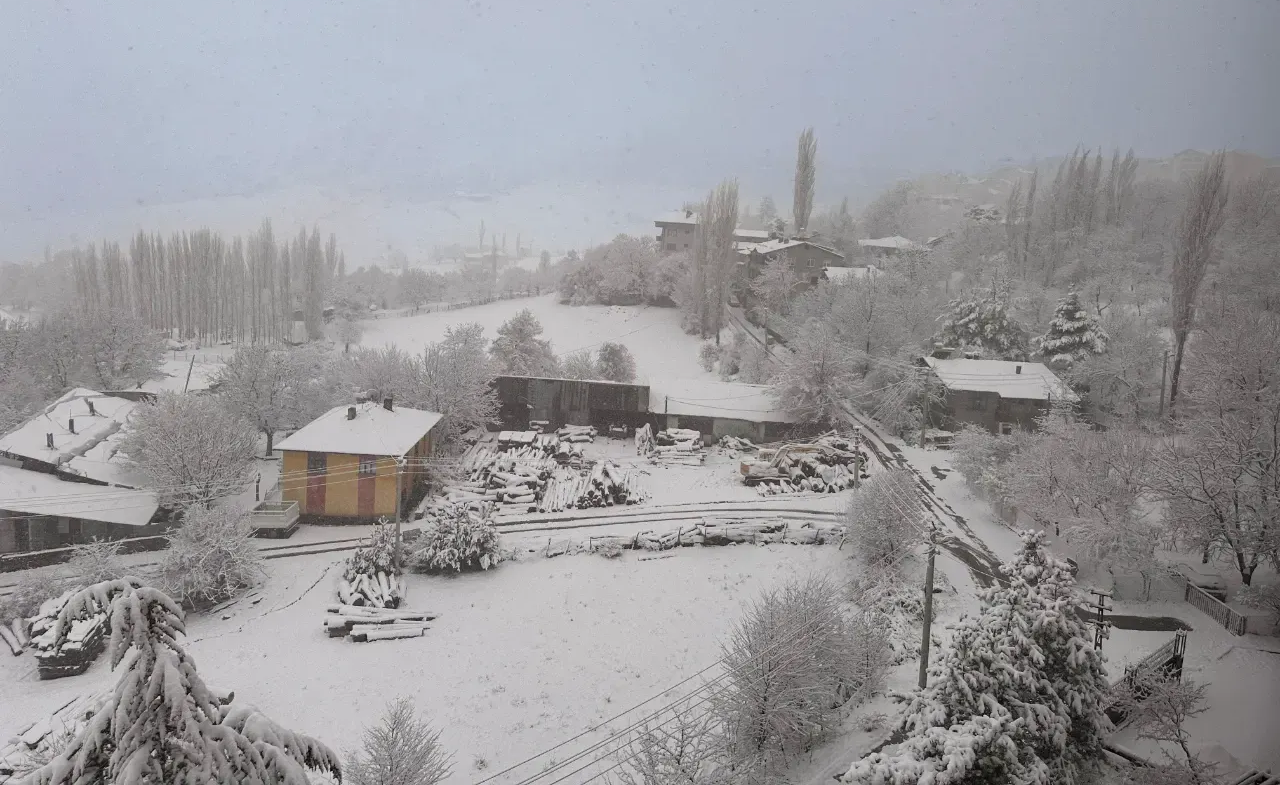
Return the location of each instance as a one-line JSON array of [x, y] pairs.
[[1165, 663], [453, 306], [1222, 613]]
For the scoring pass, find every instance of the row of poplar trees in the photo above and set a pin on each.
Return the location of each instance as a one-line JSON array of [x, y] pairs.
[[198, 285]]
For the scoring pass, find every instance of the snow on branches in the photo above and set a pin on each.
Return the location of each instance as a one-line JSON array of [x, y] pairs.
[[462, 537], [211, 557], [371, 575], [985, 326], [1074, 334], [162, 723]]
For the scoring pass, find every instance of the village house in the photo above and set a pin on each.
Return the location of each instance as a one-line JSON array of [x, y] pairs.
[[76, 438], [39, 512], [718, 409], [347, 464], [999, 395], [808, 259], [676, 232], [886, 247]]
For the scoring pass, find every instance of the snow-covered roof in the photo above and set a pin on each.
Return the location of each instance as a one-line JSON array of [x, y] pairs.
[[374, 431], [846, 273], [773, 246], [30, 440], [36, 493], [726, 400], [897, 241], [1024, 380], [754, 235], [678, 217]]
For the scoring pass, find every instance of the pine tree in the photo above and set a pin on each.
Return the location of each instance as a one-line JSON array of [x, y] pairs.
[[1074, 334], [984, 326], [161, 723]]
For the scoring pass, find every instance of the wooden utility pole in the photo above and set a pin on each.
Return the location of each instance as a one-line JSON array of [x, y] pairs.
[[189, 367], [928, 608], [1164, 375], [399, 508], [1101, 627]]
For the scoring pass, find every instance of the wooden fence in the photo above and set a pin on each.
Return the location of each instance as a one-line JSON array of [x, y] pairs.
[[1222, 613]]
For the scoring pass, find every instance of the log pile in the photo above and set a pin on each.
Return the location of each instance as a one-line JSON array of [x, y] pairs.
[[678, 446], [363, 624], [828, 465], [381, 589], [606, 485], [16, 635], [84, 641], [724, 532], [644, 440]]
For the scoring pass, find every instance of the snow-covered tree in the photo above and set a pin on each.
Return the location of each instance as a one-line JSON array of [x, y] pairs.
[[682, 750], [793, 660], [162, 723], [400, 750], [818, 379], [1016, 696], [453, 378], [274, 389], [1074, 334], [767, 215], [94, 562], [579, 365], [118, 349], [984, 325], [518, 351], [885, 517], [806, 175], [384, 373], [346, 332], [1158, 709], [615, 363], [211, 557], [192, 450], [776, 285], [459, 538]]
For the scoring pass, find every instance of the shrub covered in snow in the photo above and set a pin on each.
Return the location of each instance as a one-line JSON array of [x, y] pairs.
[[400, 750], [886, 517], [370, 576], [95, 562], [708, 354], [462, 537], [28, 595], [211, 557]]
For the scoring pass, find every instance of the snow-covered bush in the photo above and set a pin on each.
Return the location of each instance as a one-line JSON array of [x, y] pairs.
[[981, 457], [211, 557], [95, 562], [162, 723], [615, 363], [886, 517], [370, 576], [610, 549], [460, 538], [708, 354], [28, 595], [1074, 334], [400, 750], [774, 706]]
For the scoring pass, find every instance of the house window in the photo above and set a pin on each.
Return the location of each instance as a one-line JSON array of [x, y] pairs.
[[812, 263], [64, 526], [671, 246], [316, 463], [368, 465], [1006, 429]]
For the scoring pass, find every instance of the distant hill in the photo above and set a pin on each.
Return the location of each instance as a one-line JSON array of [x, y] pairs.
[[941, 199]]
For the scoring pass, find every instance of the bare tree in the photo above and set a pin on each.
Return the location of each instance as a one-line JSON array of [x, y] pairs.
[[776, 284], [347, 332], [1159, 708], [885, 517], [806, 174], [400, 750], [1205, 212], [683, 750]]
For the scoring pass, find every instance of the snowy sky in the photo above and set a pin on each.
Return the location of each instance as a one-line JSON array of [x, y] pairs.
[[106, 105]]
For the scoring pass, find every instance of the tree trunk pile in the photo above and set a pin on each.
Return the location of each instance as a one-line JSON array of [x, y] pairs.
[[377, 590], [724, 532], [84, 642], [828, 465], [363, 624], [677, 446]]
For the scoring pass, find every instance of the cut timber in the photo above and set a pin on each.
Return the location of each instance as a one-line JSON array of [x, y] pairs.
[[365, 634], [12, 640], [367, 611], [19, 627]]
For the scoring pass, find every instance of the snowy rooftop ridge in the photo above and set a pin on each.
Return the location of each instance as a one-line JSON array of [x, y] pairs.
[[897, 241], [1022, 380], [37, 493], [773, 246], [31, 439], [374, 431], [725, 400], [846, 273]]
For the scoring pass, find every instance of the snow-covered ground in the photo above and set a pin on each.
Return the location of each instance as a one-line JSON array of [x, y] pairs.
[[661, 349], [521, 659]]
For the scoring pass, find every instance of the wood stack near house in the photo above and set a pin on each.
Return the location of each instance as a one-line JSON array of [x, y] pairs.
[[363, 624], [84, 642], [677, 446]]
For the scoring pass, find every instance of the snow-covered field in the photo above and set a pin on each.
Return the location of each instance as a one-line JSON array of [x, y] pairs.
[[661, 349], [521, 658]]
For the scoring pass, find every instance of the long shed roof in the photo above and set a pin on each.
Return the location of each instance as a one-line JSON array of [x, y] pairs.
[[36, 493], [1023, 380], [723, 400]]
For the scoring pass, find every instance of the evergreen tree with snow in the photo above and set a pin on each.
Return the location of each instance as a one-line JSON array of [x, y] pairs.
[[984, 326], [1018, 695], [162, 724], [1074, 334], [519, 351]]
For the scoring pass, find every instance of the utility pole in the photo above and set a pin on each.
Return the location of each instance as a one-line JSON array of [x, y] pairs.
[[1164, 374], [766, 331], [1101, 627], [928, 607], [399, 507], [187, 383]]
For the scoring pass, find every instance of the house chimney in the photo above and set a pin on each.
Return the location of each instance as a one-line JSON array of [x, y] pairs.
[[48, 440], [71, 424], [351, 412], [386, 403], [91, 409], [1017, 369]]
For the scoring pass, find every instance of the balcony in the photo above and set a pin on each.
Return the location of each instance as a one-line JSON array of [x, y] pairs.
[[277, 520]]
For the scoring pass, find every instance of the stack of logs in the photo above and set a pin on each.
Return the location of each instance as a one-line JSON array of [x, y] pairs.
[[379, 590], [678, 446], [15, 634], [828, 465], [363, 624], [83, 643], [606, 485], [725, 532]]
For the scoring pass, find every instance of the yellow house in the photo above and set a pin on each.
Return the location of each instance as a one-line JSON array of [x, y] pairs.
[[345, 465]]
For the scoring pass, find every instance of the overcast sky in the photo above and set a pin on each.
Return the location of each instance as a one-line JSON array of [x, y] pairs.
[[109, 104]]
